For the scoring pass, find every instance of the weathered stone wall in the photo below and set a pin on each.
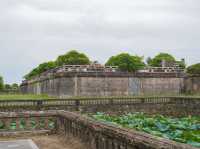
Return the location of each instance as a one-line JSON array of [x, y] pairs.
[[106, 85], [192, 85], [102, 86], [62, 87]]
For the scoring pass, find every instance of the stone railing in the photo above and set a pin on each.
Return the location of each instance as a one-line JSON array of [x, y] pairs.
[[27, 122], [98, 135], [162, 105], [103, 74], [94, 134]]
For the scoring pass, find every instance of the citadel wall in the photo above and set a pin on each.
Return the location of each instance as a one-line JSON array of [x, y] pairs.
[[70, 84]]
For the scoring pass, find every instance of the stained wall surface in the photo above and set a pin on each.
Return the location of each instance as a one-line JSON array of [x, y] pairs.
[[67, 86], [192, 85]]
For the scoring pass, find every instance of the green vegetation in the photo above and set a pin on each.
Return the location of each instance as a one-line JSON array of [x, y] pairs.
[[8, 87], [40, 69], [23, 97], [71, 58], [184, 130], [126, 62], [194, 69], [13, 86], [1, 83], [156, 61]]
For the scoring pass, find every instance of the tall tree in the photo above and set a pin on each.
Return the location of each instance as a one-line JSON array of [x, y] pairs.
[[40, 69], [126, 62], [194, 69], [15, 86], [156, 61], [7, 87], [45, 66], [1, 83], [73, 58]]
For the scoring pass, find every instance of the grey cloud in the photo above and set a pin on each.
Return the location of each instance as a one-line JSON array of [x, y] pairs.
[[33, 31]]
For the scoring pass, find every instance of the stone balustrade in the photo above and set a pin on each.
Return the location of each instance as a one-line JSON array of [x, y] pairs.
[[98, 135], [29, 121], [177, 106], [94, 134]]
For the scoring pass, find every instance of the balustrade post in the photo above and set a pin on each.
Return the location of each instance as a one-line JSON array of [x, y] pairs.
[[6, 124], [17, 123], [46, 123], [28, 125], [77, 105], [39, 104], [37, 122]]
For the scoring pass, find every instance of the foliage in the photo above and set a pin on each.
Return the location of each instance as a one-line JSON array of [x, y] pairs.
[[194, 69], [40, 69], [1, 83], [46, 66], [15, 86], [126, 62], [181, 64], [73, 58], [184, 130], [7, 87], [156, 61], [23, 97]]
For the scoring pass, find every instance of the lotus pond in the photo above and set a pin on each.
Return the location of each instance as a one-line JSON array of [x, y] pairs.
[[184, 130]]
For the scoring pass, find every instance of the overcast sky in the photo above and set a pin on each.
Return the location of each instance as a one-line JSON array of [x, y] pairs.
[[34, 31]]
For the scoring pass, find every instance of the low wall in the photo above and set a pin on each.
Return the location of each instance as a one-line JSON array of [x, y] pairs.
[[106, 84], [27, 122], [93, 134], [173, 106], [97, 135]]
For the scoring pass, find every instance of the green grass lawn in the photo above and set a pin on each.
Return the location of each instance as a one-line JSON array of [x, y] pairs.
[[43, 96], [23, 97]]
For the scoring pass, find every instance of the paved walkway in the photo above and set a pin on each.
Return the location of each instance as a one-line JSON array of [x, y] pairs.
[[18, 144], [42, 142]]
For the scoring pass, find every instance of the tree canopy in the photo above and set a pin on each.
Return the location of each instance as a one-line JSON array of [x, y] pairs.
[[194, 69], [7, 87], [73, 58], [156, 61], [15, 86], [40, 69], [1, 83], [126, 62]]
